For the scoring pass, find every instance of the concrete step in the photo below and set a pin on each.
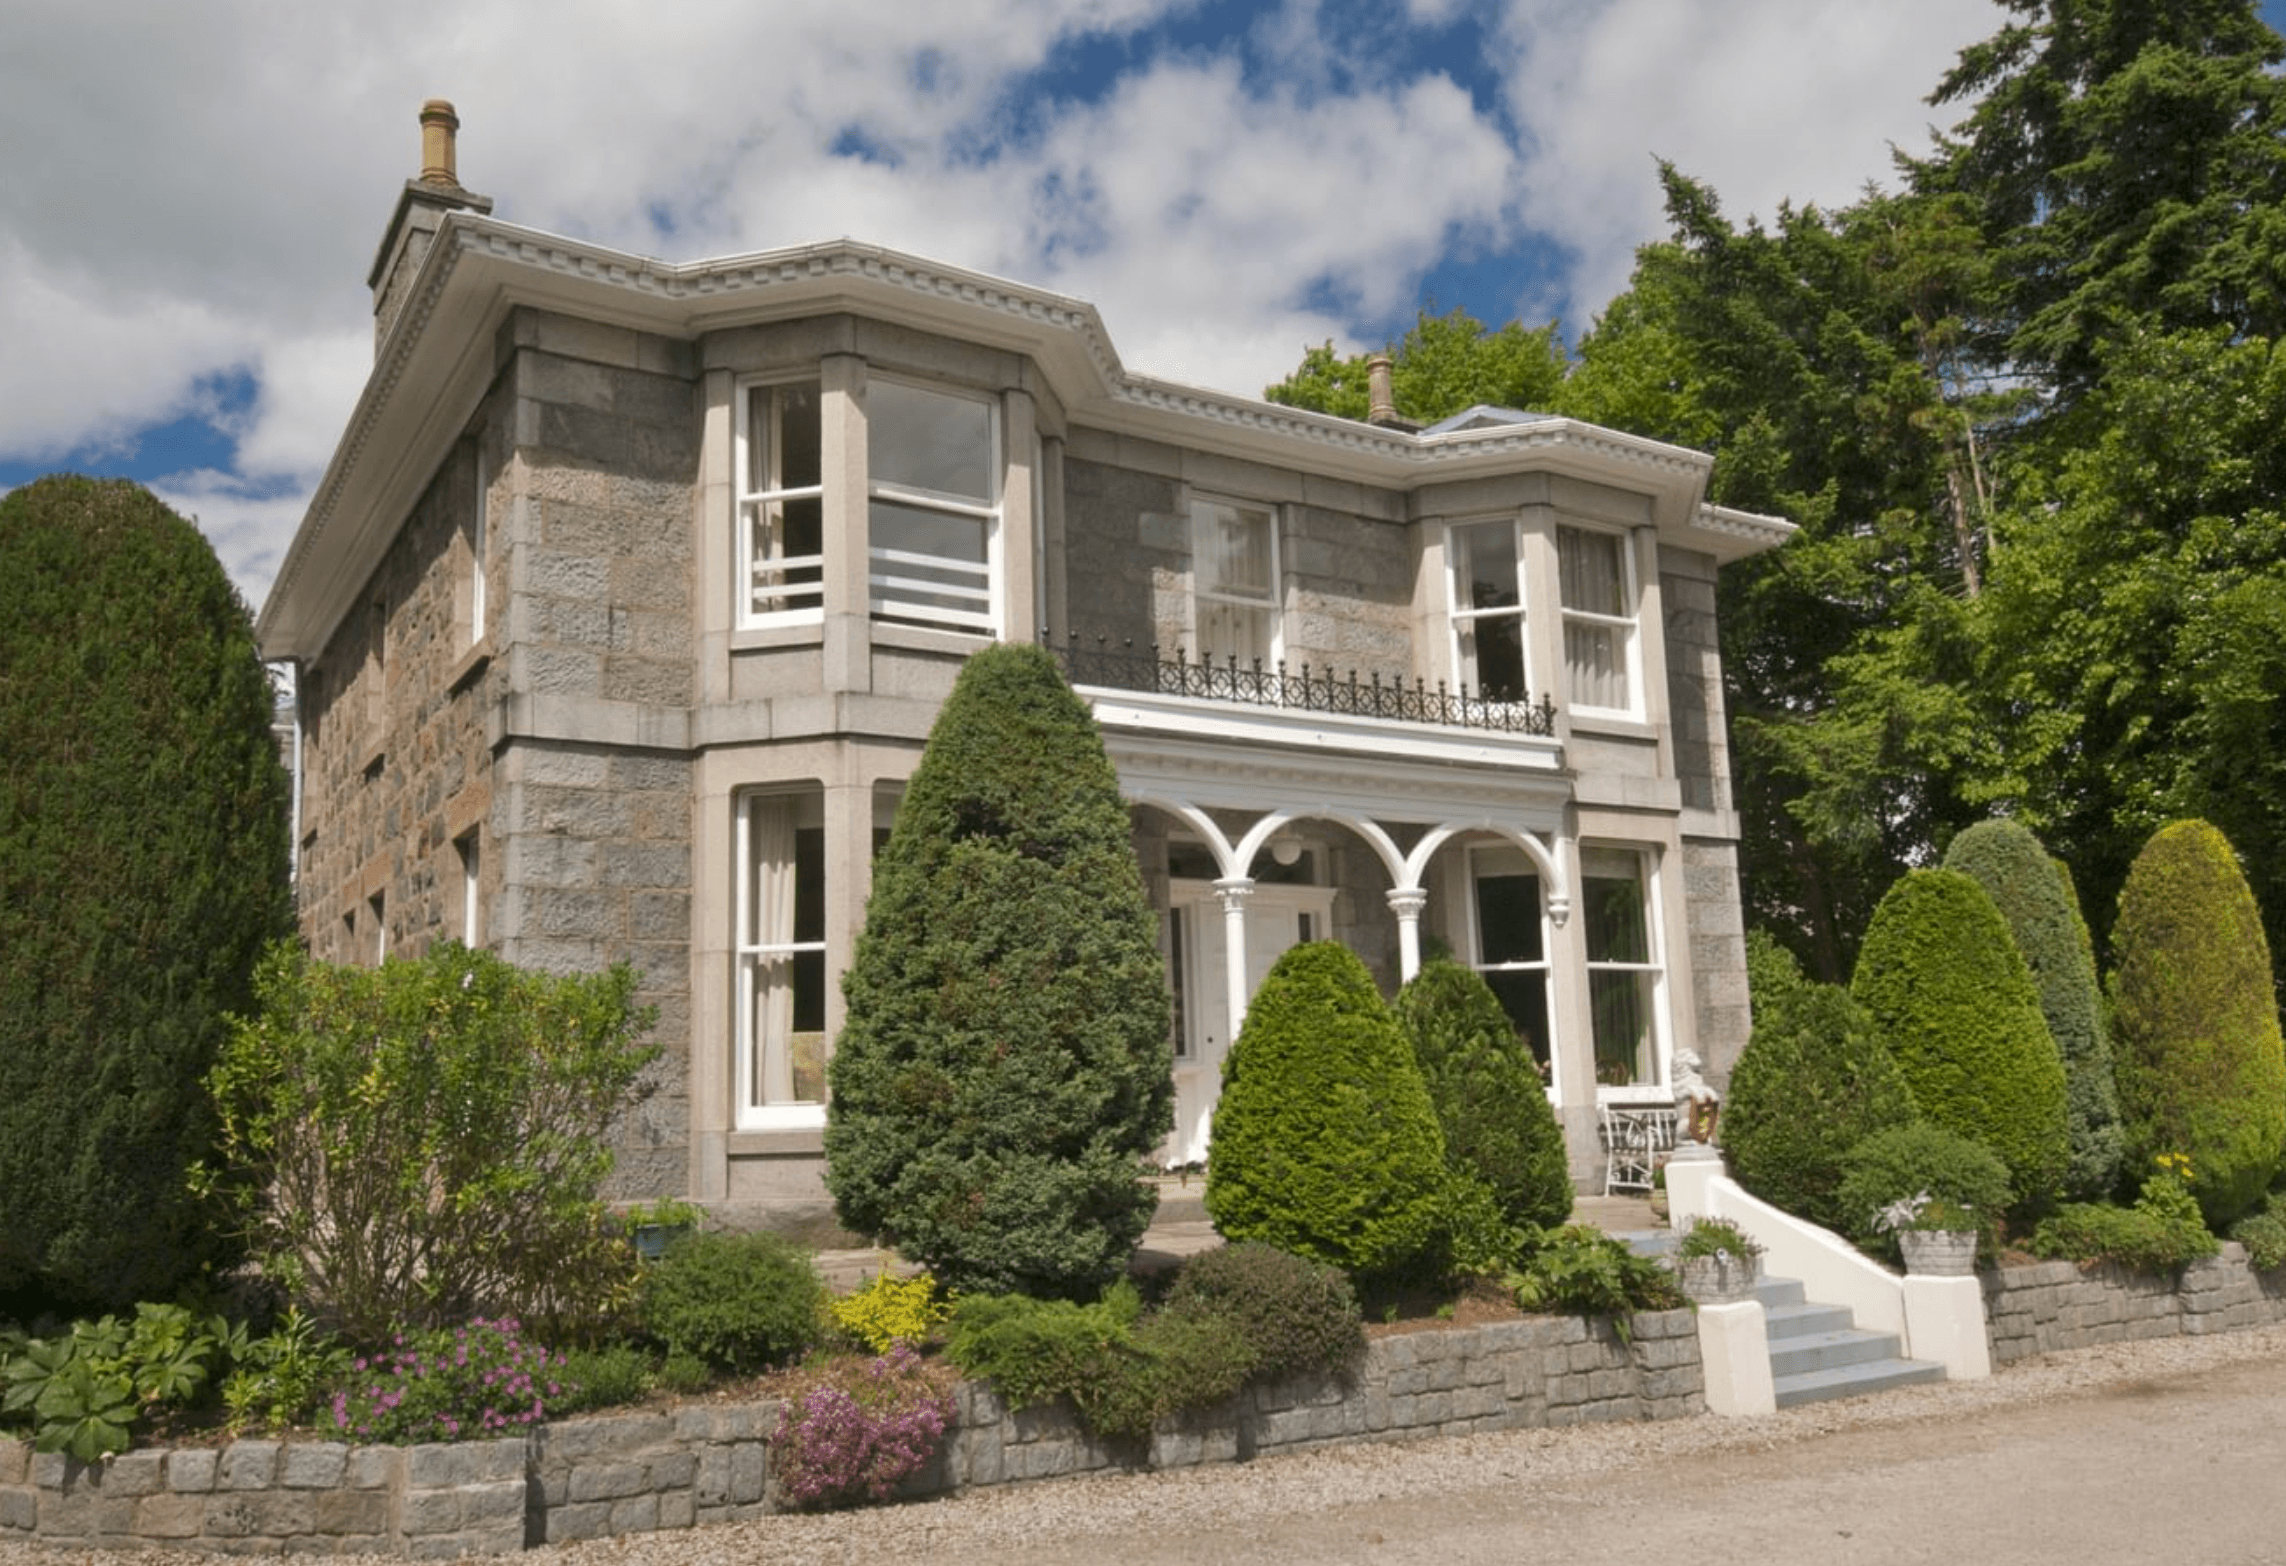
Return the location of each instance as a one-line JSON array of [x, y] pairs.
[[1774, 1292], [1803, 1321], [1879, 1375], [1805, 1352]]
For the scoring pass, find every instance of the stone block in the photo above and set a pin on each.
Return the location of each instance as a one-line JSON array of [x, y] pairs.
[[677, 1510], [191, 1470], [343, 1512], [493, 1501], [671, 1470], [248, 1465], [313, 1465], [712, 1486], [749, 1472], [589, 1520], [132, 1474], [19, 1509], [170, 1516], [370, 1467], [605, 1481], [428, 1511], [635, 1514], [15, 1461]]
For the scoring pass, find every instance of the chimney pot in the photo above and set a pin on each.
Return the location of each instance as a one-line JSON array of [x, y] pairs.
[[1380, 399], [438, 123]]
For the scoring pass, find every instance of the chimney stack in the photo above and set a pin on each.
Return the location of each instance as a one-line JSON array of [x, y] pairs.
[[1380, 400], [422, 208], [438, 123]]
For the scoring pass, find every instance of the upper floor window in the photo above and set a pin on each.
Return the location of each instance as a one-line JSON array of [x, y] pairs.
[[1488, 610], [934, 492], [781, 504], [1598, 597], [1234, 582]]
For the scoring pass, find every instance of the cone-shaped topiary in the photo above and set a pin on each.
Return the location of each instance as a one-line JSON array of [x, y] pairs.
[[2201, 1071], [2034, 894], [1813, 1082], [1004, 1065], [1325, 1143], [1949, 994], [1487, 1093], [143, 842]]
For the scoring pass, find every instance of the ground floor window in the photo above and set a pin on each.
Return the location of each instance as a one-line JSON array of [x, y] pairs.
[[1511, 941], [1624, 972], [781, 941]]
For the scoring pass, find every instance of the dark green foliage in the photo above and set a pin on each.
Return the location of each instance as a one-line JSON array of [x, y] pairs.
[[1293, 1313], [1813, 1082], [1034, 1351], [2264, 1234], [603, 1377], [738, 1302], [422, 1143], [1941, 979], [142, 871], [1325, 1143], [2161, 1232], [1487, 1094], [1445, 365], [1908, 1161], [1004, 1066], [2034, 894], [2201, 1070], [1772, 972], [1580, 1270]]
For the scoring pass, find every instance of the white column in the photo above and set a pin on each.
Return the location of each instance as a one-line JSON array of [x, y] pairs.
[[1734, 1357], [1233, 894], [1944, 1321], [1406, 902]]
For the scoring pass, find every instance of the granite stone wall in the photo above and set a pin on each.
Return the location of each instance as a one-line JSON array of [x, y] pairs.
[[2057, 1305]]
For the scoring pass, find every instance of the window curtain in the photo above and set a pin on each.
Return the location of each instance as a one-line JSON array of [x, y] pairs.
[[773, 966]]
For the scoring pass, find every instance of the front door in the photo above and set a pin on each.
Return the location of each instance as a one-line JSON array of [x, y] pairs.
[[1277, 917]]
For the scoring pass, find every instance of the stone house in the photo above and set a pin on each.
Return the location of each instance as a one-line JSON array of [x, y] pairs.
[[623, 611]]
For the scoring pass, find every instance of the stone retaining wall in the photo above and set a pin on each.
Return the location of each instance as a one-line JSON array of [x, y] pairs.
[[640, 1472], [2057, 1305]]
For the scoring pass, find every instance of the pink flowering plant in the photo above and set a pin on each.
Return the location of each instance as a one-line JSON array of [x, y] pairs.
[[458, 1384], [865, 1427]]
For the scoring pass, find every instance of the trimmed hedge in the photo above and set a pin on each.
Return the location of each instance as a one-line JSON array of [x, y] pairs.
[[2034, 894], [2201, 1071], [1949, 994], [1904, 1162], [1004, 1066], [1325, 1142], [1487, 1092], [143, 870], [1815, 1080]]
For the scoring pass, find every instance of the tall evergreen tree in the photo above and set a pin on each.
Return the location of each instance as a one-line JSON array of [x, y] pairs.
[[1004, 1064], [143, 868], [1442, 366]]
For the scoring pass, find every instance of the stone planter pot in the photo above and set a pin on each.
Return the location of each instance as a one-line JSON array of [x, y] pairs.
[[1942, 1253], [1721, 1279], [1658, 1200]]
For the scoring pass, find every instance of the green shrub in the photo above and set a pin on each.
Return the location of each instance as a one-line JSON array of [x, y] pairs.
[[890, 1310], [1941, 978], [736, 1302], [2034, 894], [143, 869], [607, 1376], [1580, 1270], [1004, 1066], [1813, 1082], [422, 1142], [1487, 1093], [2161, 1232], [1293, 1314], [2201, 1071], [1772, 972], [2264, 1234], [1325, 1143], [1917, 1160], [84, 1391], [1034, 1351], [277, 1379]]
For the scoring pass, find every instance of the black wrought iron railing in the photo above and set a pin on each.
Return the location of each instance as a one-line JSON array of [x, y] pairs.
[[1123, 666]]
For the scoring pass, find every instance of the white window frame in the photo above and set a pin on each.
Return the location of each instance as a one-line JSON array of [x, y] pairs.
[[1627, 624], [891, 572], [753, 948], [1460, 616], [797, 603], [1646, 864], [470, 845], [1478, 853], [1269, 603], [479, 539]]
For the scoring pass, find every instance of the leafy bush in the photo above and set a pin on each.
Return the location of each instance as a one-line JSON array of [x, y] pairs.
[[464, 1384], [1034, 1351], [280, 1378], [890, 1310], [1941, 978], [1293, 1314], [1918, 1161], [1813, 1082], [606, 1376], [736, 1302], [1715, 1237], [2264, 1234], [1580, 1270], [1771, 970], [2161, 1232], [1004, 1066], [416, 1143], [143, 869], [85, 1391], [860, 1433], [1325, 1143], [1487, 1093], [2201, 1070], [2034, 894]]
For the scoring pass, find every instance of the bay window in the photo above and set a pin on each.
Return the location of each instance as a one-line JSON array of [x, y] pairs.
[[934, 495], [1487, 609], [1234, 583], [1624, 971], [781, 950], [781, 504], [1598, 598]]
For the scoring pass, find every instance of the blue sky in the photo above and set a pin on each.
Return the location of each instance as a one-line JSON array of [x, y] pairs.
[[197, 190]]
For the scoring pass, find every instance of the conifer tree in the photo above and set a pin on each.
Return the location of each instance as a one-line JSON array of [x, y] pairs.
[[143, 868], [1004, 1065]]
